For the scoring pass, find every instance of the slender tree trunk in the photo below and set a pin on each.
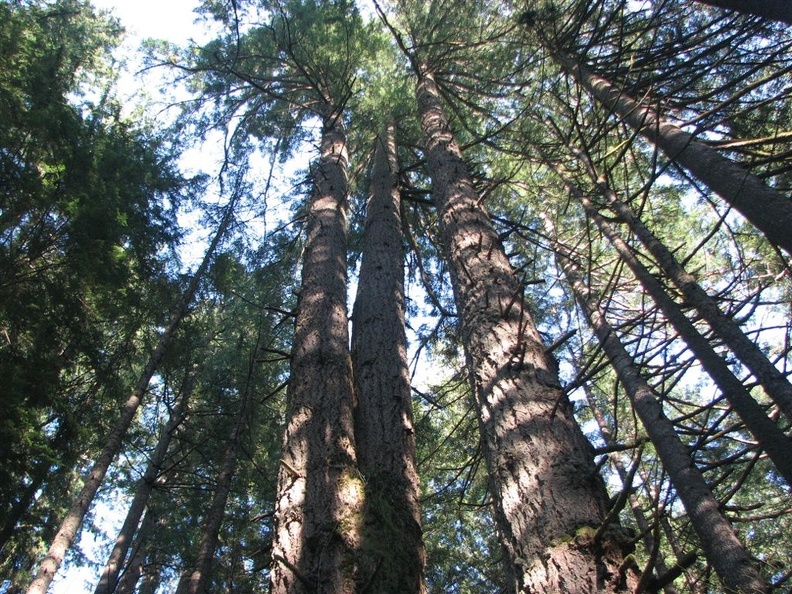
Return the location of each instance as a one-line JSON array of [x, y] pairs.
[[71, 524], [197, 581], [549, 500], [721, 546], [637, 508], [383, 421], [22, 506], [776, 10], [40, 473], [768, 209], [145, 486], [769, 437], [319, 506], [128, 579], [772, 380]]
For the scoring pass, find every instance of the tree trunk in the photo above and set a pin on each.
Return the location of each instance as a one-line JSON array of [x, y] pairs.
[[645, 529], [772, 380], [319, 506], [769, 437], [198, 580], [549, 500], [128, 579], [721, 546], [776, 10], [71, 524], [23, 505], [109, 579], [768, 209], [383, 420]]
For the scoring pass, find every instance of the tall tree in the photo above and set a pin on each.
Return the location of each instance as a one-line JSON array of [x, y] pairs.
[[549, 501], [71, 523], [320, 493], [767, 208], [109, 578], [727, 554], [776, 385], [384, 429], [765, 430]]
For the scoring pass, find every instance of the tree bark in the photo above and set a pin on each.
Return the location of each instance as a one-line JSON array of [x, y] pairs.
[[549, 500], [109, 578], [723, 549], [776, 385], [383, 421], [319, 507], [767, 209], [776, 10], [128, 579], [71, 524], [767, 434]]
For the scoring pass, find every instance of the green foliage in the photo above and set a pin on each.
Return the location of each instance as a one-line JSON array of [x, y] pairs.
[[86, 224]]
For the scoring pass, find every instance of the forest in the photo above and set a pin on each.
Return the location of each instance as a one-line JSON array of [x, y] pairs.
[[471, 297]]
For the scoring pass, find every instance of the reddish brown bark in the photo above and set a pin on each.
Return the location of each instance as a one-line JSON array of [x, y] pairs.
[[548, 499], [319, 507], [383, 419]]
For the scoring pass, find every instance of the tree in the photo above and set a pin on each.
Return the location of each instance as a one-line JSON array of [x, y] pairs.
[[518, 490], [763, 206], [779, 11], [727, 554], [384, 431], [71, 523]]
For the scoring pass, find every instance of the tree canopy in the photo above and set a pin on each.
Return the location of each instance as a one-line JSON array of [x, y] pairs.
[[570, 358]]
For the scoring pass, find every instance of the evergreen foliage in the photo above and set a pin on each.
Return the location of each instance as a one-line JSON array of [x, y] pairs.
[[90, 229]]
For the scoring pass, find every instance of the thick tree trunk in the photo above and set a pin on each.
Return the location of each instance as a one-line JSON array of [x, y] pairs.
[[768, 209], [319, 507], [776, 385], [721, 546], [769, 437], [776, 10], [549, 501], [71, 524], [383, 421]]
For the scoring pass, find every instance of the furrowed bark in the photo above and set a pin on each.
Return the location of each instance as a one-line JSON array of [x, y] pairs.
[[549, 500], [723, 549], [319, 507], [383, 419]]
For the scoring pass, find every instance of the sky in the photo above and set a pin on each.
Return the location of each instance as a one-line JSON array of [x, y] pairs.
[[163, 19]]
